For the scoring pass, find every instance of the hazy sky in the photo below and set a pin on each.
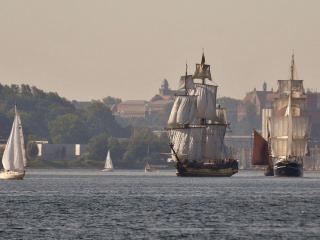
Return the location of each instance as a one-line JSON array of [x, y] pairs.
[[91, 49]]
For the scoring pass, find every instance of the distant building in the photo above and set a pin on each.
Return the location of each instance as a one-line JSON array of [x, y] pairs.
[[313, 107], [132, 109], [260, 99], [164, 89], [142, 108]]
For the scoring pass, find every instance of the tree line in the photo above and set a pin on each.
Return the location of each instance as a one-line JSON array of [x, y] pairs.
[[47, 116]]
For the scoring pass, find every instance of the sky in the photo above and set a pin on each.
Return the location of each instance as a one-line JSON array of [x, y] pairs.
[[92, 49]]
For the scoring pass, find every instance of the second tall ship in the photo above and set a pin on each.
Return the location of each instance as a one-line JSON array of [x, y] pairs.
[[196, 128], [288, 130]]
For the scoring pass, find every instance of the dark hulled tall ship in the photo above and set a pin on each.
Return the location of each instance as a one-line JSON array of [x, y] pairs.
[[288, 131], [196, 128]]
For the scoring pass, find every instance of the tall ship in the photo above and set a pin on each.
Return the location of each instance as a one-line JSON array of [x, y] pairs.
[[196, 128], [288, 130]]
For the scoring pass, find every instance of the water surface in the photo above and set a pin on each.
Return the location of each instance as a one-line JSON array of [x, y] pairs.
[[89, 204]]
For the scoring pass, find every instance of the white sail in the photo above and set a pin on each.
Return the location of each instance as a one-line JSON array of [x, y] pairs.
[[173, 115], [180, 140], [300, 127], [193, 119], [279, 135], [279, 127], [108, 164], [196, 144], [13, 158], [206, 102], [214, 145], [183, 113], [279, 147], [221, 115], [186, 82], [21, 139]]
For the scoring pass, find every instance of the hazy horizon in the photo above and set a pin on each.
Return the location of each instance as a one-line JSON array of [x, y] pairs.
[[92, 49]]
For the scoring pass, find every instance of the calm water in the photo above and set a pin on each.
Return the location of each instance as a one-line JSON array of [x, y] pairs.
[[78, 204]]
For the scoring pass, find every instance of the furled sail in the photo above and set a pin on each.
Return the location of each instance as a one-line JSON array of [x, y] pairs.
[[202, 70], [260, 153], [13, 158]]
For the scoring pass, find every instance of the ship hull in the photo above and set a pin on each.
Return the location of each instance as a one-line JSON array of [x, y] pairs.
[[11, 175], [206, 170], [288, 169], [107, 170]]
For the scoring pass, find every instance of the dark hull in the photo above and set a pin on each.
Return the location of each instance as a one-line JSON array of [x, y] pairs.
[[207, 170], [288, 170]]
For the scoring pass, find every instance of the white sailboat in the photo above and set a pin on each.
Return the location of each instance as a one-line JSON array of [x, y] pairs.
[[147, 168], [108, 167], [14, 158]]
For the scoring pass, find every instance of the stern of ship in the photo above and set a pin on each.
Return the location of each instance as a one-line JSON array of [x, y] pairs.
[[288, 169]]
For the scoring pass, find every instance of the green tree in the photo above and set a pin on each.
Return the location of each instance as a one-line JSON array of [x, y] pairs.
[[98, 146], [32, 150], [99, 119], [145, 145], [110, 101], [68, 128]]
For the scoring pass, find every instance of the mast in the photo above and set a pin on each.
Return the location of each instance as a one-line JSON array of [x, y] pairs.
[[289, 108], [185, 80], [203, 61]]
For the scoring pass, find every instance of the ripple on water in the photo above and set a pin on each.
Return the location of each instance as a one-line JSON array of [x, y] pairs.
[[78, 204]]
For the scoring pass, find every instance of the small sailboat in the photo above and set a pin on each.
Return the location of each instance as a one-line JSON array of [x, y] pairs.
[[108, 167], [14, 158], [147, 168]]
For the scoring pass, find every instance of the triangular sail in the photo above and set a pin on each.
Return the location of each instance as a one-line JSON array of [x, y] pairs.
[[108, 164], [260, 155], [13, 158], [21, 139]]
